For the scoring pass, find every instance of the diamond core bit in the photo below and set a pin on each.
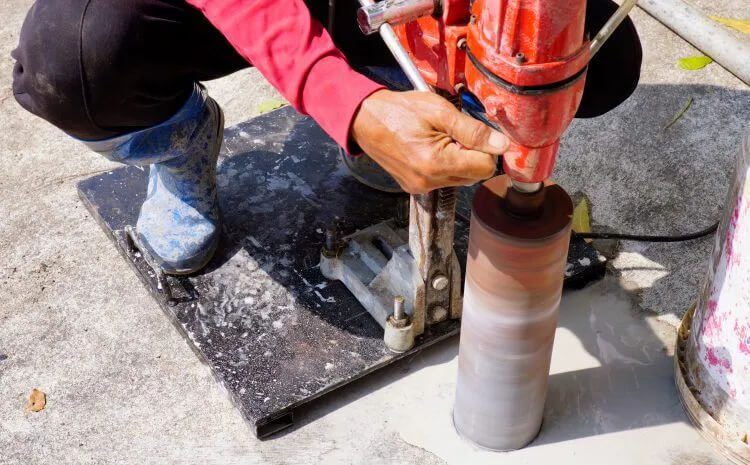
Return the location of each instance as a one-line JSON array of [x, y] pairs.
[[518, 246]]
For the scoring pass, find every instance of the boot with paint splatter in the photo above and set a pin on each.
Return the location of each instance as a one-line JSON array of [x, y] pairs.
[[179, 221]]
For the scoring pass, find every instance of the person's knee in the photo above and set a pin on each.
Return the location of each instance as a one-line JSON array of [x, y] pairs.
[[46, 75], [67, 59]]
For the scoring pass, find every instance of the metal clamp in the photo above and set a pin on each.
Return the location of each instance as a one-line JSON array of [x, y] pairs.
[[399, 53], [394, 12]]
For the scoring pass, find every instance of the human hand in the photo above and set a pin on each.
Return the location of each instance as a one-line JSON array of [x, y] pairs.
[[424, 142]]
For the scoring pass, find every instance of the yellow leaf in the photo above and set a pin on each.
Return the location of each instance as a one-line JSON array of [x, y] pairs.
[[582, 216], [694, 63], [742, 25], [37, 401], [270, 105]]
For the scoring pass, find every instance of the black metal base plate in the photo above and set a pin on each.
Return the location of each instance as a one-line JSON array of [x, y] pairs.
[[274, 331]]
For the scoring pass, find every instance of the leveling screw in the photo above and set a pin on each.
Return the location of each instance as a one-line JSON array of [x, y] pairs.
[[398, 308]]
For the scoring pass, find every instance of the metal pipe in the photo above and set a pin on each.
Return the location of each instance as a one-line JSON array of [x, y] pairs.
[[611, 26], [400, 54], [393, 12], [713, 360], [708, 36]]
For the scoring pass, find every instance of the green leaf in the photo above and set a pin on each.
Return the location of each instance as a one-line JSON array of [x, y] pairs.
[[270, 105], [679, 114], [582, 216], [694, 63], [742, 25]]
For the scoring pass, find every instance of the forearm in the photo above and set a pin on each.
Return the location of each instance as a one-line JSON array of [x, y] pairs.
[[296, 55]]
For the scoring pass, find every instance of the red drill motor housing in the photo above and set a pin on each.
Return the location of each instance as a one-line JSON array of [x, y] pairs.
[[525, 60]]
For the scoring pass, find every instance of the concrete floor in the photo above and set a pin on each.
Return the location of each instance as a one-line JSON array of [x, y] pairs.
[[123, 387]]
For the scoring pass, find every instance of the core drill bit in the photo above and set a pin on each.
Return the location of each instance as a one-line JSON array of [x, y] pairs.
[[518, 246]]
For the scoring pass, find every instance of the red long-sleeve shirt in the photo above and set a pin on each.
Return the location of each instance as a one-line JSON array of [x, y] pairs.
[[297, 56]]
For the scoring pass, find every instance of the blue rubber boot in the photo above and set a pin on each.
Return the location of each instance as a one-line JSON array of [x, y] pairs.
[[179, 221]]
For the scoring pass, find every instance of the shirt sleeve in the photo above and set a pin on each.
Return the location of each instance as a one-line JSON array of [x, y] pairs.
[[297, 56]]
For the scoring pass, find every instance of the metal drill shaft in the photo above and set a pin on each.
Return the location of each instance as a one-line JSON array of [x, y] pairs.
[[401, 56]]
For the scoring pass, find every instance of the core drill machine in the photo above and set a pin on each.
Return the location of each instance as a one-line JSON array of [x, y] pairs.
[[520, 66]]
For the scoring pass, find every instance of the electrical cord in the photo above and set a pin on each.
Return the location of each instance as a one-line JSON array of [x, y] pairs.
[[645, 238], [636, 237]]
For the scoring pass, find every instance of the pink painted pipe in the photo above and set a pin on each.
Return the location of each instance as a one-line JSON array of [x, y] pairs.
[[718, 348]]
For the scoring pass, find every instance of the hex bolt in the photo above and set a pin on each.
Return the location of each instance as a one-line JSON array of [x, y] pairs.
[[440, 282], [520, 58], [398, 308]]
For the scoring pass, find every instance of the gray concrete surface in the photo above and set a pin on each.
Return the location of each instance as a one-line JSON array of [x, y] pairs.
[[123, 387], [645, 179]]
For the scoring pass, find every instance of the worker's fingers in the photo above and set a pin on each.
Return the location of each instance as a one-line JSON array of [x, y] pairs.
[[455, 161], [473, 134]]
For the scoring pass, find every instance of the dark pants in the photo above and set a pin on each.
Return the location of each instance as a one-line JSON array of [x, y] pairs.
[[101, 68]]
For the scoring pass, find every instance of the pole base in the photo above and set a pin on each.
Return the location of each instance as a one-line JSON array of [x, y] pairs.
[[728, 444]]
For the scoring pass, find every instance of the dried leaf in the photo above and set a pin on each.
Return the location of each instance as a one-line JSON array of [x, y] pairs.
[[742, 25], [37, 401], [582, 216], [270, 105], [679, 114], [694, 63]]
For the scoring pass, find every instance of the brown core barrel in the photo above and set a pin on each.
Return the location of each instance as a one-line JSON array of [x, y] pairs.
[[514, 279]]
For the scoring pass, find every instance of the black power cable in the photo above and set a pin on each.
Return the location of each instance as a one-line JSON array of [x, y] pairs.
[[635, 237], [644, 238]]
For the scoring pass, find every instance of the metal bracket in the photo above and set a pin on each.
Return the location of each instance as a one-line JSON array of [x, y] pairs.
[[376, 264]]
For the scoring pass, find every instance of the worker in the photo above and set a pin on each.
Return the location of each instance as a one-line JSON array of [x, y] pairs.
[[124, 78]]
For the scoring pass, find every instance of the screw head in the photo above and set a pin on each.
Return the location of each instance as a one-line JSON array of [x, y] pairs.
[[438, 314], [440, 282]]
